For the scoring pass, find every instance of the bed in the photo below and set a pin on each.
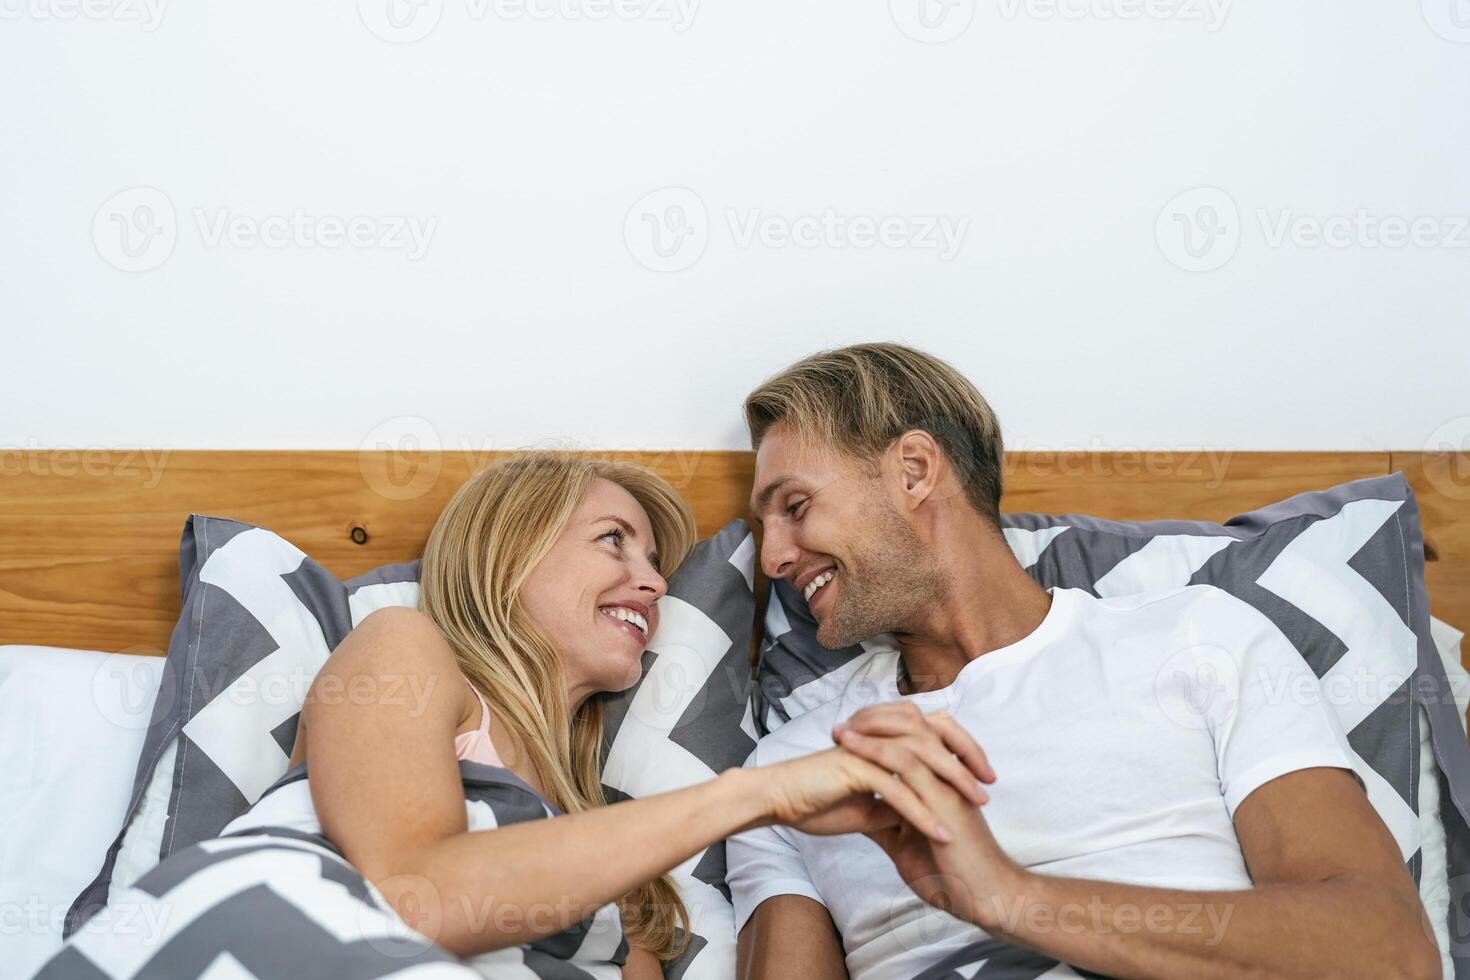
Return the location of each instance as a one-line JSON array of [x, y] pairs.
[[89, 562]]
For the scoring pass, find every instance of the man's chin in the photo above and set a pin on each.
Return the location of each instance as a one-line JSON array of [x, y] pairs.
[[832, 636]]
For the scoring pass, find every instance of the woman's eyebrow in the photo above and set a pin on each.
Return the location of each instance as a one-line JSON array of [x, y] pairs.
[[629, 531], [627, 528]]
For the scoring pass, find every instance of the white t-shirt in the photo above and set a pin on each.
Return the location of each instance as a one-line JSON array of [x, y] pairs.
[[1124, 732]]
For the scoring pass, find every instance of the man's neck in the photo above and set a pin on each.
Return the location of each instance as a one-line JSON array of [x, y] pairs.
[[990, 602]]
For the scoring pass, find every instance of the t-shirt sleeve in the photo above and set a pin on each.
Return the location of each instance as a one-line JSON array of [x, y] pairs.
[[1271, 716], [762, 863]]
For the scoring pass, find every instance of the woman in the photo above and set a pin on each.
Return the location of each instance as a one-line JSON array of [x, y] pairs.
[[539, 590]]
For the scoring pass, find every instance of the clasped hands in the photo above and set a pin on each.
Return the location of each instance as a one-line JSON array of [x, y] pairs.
[[914, 784]]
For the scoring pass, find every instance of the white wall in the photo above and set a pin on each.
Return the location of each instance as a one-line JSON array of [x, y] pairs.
[[523, 136]]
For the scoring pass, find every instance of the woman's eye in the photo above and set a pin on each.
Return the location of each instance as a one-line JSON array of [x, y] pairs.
[[617, 537]]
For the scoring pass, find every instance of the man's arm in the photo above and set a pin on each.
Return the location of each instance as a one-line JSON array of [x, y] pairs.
[[1331, 898], [790, 936]]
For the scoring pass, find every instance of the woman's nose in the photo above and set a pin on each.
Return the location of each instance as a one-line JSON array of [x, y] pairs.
[[652, 582]]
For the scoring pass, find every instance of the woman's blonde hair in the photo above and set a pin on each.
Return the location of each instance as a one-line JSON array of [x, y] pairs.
[[483, 547]]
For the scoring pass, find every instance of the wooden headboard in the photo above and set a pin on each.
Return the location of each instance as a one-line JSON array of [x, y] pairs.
[[89, 538]]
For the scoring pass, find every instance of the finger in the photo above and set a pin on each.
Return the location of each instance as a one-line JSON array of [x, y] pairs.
[[896, 794], [891, 718], [940, 725], [962, 744], [915, 761]]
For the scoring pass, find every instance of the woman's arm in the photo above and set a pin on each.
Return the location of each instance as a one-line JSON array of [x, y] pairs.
[[642, 965], [381, 719]]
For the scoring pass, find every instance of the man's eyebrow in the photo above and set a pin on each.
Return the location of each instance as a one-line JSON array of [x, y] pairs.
[[629, 531], [763, 499]]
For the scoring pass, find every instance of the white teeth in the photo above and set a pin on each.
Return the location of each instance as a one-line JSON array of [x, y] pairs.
[[627, 616], [817, 583]]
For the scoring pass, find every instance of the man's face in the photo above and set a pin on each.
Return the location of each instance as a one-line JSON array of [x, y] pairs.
[[834, 533]]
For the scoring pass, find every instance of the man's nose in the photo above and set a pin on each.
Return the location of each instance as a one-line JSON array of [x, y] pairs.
[[778, 554]]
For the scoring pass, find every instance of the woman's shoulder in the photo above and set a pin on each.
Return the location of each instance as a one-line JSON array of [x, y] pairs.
[[399, 618], [400, 635], [403, 646]]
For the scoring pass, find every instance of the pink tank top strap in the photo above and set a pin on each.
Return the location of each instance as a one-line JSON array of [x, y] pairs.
[[476, 746], [484, 712]]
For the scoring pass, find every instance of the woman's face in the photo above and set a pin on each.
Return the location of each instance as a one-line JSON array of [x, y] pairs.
[[594, 592]]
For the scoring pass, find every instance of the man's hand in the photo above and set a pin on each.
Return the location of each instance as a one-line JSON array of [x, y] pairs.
[[968, 876], [841, 792], [1327, 873]]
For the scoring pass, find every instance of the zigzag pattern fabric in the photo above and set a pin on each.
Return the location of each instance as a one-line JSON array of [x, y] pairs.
[[278, 900], [260, 617], [1339, 571]]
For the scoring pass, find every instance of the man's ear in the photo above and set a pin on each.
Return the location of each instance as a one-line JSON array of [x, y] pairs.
[[920, 464]]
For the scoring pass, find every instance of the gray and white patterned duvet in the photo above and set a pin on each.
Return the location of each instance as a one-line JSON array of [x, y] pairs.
[[271, 897]]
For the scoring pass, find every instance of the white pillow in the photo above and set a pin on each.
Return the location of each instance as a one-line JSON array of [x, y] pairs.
[[71, 730]]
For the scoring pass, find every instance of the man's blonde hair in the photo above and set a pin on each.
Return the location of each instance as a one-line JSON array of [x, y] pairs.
[[858, 399]]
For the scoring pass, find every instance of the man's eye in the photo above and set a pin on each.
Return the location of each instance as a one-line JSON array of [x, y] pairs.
[[793, 508]]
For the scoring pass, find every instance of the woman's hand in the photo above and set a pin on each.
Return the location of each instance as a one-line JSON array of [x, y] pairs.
[[966, 876], [840, 792]]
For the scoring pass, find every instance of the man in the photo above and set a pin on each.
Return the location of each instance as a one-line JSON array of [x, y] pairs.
[[1165, 804]]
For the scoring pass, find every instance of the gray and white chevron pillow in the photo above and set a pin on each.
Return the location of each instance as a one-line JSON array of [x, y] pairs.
[[1340, 571], [260, 617]]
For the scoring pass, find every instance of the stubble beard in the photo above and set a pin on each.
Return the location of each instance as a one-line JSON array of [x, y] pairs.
[[882, 586]]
